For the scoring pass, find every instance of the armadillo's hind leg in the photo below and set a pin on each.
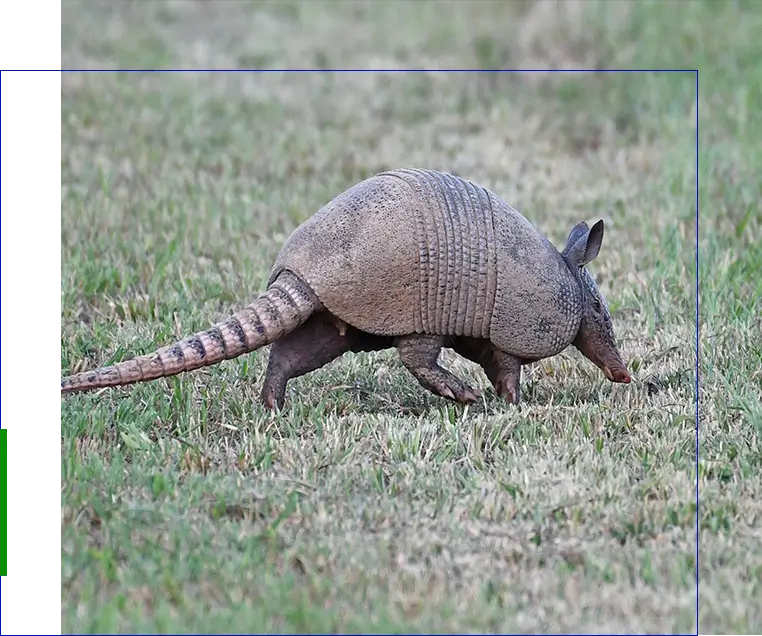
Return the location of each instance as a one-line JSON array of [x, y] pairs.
[[502, 369], [420, 354], [321, 339]]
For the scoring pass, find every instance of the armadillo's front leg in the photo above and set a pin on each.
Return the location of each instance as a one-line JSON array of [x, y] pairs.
[[419, 353], [502, 369]]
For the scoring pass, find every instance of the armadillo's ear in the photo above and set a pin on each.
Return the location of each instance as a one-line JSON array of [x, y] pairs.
[[585, 245], [575, 234]]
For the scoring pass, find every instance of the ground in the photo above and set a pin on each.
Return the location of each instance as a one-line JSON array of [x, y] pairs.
[[369, 504]]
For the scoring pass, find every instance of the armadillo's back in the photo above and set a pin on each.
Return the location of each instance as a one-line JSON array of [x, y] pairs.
[[420, 251]]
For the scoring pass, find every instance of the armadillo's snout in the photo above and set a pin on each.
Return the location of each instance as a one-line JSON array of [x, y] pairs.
[[607, 360]]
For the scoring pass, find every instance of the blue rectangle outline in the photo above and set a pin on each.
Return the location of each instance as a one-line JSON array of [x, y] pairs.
[[58, 250]]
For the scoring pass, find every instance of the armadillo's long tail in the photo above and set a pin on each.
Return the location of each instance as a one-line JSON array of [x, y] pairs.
[[286, 304]]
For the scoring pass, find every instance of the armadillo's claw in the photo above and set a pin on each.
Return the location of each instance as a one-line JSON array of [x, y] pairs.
[[471, 395], [509, 390], [463, 393], [511, 396], [270, 401], [453, 388]]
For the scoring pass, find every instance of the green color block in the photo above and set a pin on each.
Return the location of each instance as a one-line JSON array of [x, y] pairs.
[[27, 504]]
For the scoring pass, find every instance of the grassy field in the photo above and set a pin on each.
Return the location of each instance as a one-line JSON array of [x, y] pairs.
[[369, 504]]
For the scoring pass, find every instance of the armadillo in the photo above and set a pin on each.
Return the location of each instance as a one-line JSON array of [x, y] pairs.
[[412, 259]]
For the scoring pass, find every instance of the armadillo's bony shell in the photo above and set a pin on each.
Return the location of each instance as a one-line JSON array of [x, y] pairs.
[[420, 251]]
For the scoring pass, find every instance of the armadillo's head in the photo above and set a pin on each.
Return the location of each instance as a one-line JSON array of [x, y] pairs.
[[595, 339]]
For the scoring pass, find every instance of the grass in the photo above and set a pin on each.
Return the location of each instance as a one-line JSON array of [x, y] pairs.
[[369, 504]]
